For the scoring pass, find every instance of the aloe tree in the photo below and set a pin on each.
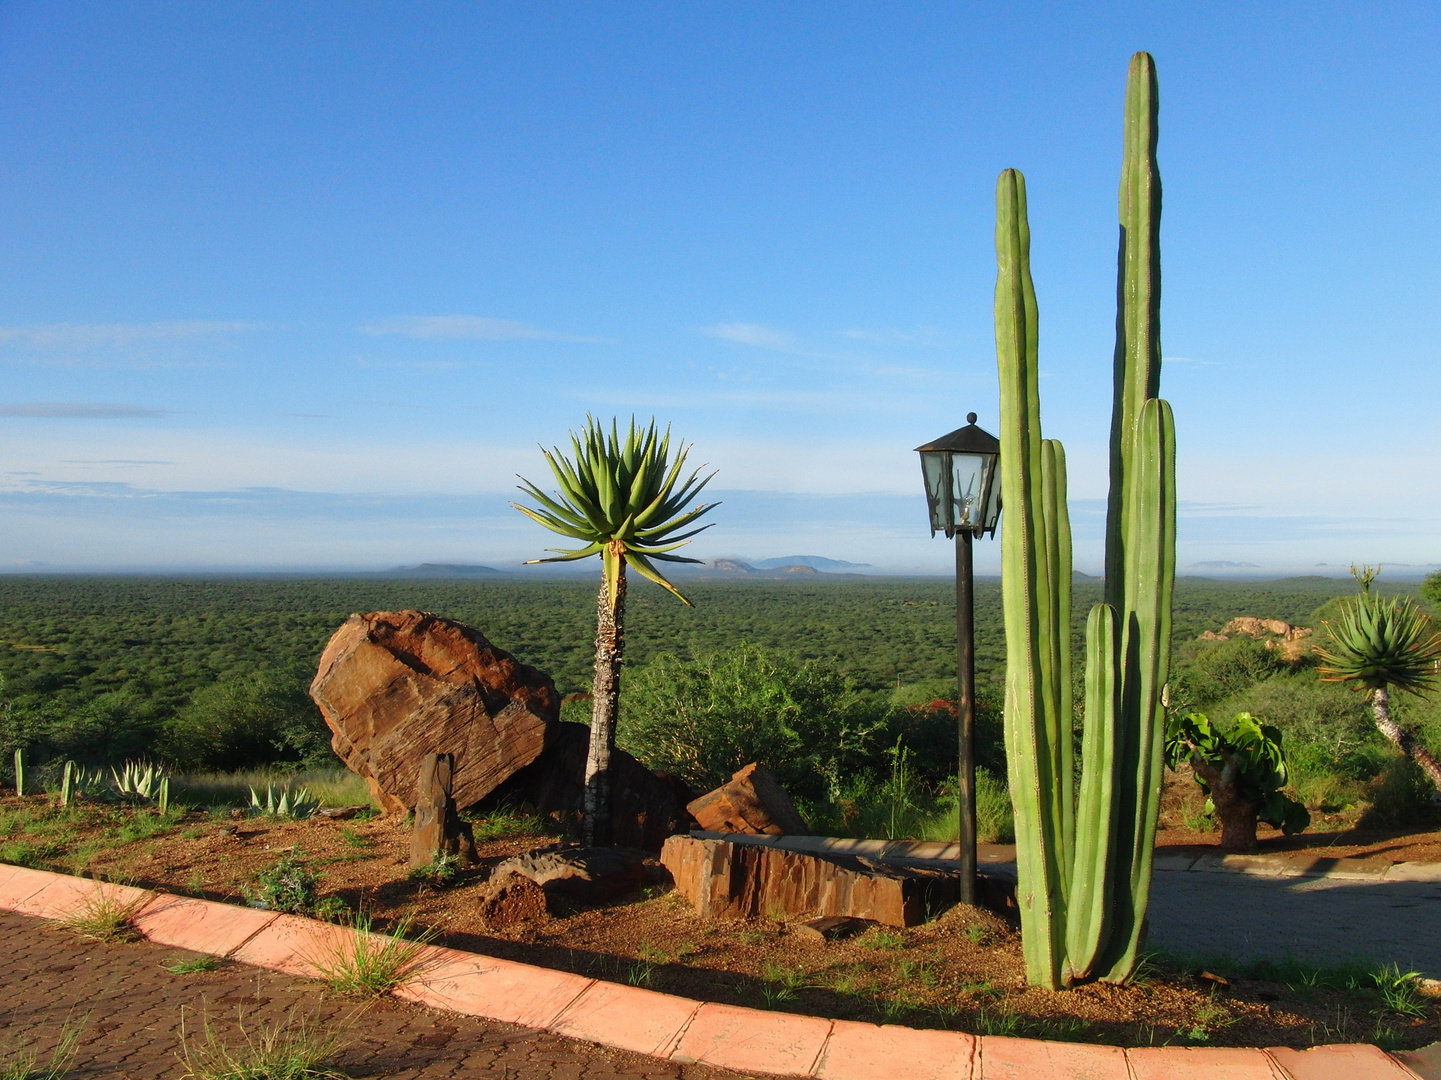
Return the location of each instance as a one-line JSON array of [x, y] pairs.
[[624, 499], [1379, 642]]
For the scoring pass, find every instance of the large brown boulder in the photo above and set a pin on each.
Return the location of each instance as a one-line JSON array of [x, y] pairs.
[[751, 801], [395, 686], [647, 806]]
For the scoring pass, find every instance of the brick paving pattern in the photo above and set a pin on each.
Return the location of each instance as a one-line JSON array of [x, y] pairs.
[[131, 1007], [1319, 920]]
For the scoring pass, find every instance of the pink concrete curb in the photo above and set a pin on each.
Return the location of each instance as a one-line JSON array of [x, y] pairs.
[[666, 1026]]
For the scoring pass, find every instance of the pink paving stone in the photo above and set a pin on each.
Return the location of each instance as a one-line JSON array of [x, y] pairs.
[[294, 945], [875, 1052], [1344, 1061], [749, 1040], [1202, 1063], [200, 925], [1005, 1058], [627, 1017], [19, 883], [497, 989], [66, 895]]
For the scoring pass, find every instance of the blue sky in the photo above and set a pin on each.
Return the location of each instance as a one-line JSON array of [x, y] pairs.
[[303, 285]]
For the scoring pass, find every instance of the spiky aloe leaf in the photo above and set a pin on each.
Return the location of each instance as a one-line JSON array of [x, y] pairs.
[[623, 497], [1382, 641]]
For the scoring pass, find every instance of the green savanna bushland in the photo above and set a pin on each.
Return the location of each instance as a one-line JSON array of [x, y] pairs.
[[829, 680]]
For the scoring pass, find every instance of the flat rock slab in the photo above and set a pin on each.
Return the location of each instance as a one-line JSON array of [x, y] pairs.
[[831, 928], [588, 875], [725, 880]]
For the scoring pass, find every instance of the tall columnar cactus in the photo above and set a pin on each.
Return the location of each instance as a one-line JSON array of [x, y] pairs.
[[1085, 866]]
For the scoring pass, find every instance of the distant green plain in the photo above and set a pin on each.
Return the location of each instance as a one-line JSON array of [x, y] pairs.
[[73, 638]]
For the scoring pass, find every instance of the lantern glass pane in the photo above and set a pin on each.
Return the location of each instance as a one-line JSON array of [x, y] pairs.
[[968, 471], [933, 469], [992, 488]]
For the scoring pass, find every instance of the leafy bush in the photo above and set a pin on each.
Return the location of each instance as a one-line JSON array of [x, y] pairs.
[[1244, 762], [289, 885], [704, 719], [1431, 589], [245, 721], [1314, 714], [1401, 797], [1223, 669]]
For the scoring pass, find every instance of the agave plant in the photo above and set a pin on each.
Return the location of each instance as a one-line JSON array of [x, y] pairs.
[[625, 500], [138, 780], [1379, 642], [295, 804]]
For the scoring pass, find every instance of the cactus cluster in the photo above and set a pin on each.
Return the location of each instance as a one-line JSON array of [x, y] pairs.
[[1084, 859]]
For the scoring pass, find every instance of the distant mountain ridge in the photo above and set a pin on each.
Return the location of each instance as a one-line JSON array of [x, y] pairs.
[[440, 570], [815, 562]]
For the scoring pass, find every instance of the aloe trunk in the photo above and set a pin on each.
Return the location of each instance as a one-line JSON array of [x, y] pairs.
[[1085, 868]]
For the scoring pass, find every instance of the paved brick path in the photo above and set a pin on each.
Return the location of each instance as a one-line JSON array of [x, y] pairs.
[[47, 976], [1321, 920]]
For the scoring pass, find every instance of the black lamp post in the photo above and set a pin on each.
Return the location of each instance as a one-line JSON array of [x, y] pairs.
[[963, 490]]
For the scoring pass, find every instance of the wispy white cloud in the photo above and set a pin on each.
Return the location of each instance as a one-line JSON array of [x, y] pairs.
[[113, 461], [466, 328], [61, 336], [131, 345], [763, 337], [64, 411], [1187, 360], [412, 365], [923, 336]]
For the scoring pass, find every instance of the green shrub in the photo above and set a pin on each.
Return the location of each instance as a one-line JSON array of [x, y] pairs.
[[1245, 758], [289, 885], [1222, 669], [704, 719], [1401, 797], [246, 721]]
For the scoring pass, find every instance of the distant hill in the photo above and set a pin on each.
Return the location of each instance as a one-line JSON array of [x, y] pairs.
[[439, 570], [815, 562]]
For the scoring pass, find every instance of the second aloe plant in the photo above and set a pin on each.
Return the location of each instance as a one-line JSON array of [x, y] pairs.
[[1084, 859]]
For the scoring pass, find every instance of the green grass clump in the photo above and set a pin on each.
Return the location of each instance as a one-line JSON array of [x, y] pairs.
[[143, 824], [881, 938], [193, 965], [335, 786], [29, 853], [21, 1062], [295, 1048], [106, 916], [505, 822], [440, 871], [370, 963]]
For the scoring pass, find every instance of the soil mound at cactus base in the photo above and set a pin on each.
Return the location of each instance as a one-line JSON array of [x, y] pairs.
[[962, 970]]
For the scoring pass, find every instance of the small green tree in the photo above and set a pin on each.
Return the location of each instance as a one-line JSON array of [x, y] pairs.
[[1431, 588], [1379, 642], [1242, 770], [624, 499]]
